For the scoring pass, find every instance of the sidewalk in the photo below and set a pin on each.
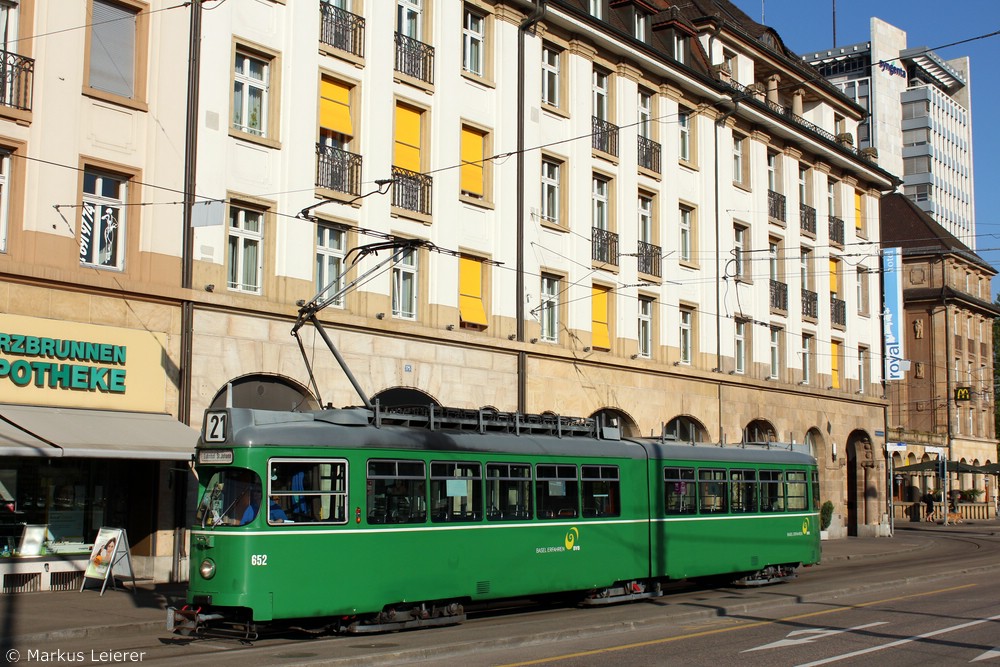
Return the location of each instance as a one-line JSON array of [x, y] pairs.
[[33, 618]]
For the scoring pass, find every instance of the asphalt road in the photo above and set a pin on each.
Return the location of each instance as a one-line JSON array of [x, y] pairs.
[[932, 605]]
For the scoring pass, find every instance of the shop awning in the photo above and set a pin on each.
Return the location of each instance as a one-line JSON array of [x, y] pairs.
[[930, 466], [66, 432]]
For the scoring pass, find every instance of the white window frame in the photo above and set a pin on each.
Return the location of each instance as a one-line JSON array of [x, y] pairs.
[[862, 368], [331, 241], [686, 334], [103, 216], [600, 193], [773, 252], [772, 172], [684, 233], [549, 308], [405, 285], [684, 135], [645, 205], [775, 348], [597, 9], [740, 348], [551, 65], [645, 114], [807, 344], [640, 28], [600, 93], [473, 42], [551, 175], [240, 238], [645, 327], [805, 267], [410, 18], [738, 145], [4, 198], [740, 233], [244, 87]]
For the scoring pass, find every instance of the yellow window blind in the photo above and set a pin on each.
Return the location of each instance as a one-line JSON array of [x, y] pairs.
[[335, 107], [407, 148], [835, 365], [601, 336], [472, 161], [857, 210], [470, 291], [834, 281]]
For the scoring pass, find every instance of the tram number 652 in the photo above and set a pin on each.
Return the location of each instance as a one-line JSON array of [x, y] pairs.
[[258, 559]]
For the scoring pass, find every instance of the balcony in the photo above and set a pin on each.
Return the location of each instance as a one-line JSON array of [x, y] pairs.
[[775, 205], [649, 155], [838, 311], [341, 29], [810, 304], [649, 259], [836, 230], [16, 81], [779, 296], [411, 191], [338, 170], [414, 58], [605, 136], [807, 219], [604, 246]]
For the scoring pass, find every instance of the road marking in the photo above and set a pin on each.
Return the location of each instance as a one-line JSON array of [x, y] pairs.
[[707, 633], [989, 655], [900, 642], [812, 634]]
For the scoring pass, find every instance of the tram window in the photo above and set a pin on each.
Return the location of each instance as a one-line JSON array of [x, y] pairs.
[[307, 491], [508, 491], [397, 492], [743, 490], [772, 497], [679, 491], [227, 498], [795, 487], [814, 501], [556, 491], [600, 491], [713, 491], [456, 491]]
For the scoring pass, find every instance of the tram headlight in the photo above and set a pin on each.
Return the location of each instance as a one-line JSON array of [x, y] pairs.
[[207, 568]]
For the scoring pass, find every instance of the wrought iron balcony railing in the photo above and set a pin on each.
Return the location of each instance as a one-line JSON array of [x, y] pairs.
[[414, 58], [807, 219], [776, 205], [605, 136], [838, 311], [810, 304], [341, 29], [649, 154], [836, 230], [649, 259], [17, 75], [779, 296], [604, 246], [411, 190], [338, 170]]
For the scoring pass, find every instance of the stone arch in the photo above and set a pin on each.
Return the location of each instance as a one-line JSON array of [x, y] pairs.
[[618, 418], [686, 428], [759, 431], [864, 484], [265, 391], [816, 444], [399, 397]]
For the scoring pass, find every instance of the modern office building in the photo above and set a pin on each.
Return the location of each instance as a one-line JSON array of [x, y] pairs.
[[919, 118], [640, 210]]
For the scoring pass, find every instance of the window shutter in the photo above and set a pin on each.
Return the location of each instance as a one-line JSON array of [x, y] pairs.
[[857, 210], [600, 336], [470, 289], [472, 162], [834, 282], [835, 365], [335, 107], [112, 49], [407, 149]]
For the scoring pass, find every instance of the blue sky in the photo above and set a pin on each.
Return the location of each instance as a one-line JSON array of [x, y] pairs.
[[807, 25]]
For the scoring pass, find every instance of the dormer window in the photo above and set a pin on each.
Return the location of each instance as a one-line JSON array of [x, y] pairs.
[[641, 26]]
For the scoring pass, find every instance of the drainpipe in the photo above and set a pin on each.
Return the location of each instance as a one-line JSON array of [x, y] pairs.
[[190, 185], [720, 121], [522, 357]]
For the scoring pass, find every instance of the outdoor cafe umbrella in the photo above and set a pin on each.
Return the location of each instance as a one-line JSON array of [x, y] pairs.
[[953, 466]]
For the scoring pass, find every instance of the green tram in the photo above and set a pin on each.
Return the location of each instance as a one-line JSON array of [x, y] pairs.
[[373, 520]]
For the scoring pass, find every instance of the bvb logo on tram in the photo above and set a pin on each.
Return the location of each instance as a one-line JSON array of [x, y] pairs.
[[571, 537]]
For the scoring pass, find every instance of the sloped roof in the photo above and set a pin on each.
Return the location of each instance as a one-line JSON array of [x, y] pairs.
[[903, 224]]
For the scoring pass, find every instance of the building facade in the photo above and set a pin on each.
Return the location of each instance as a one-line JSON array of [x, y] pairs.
[[944, 405], [919, 118], [640, 210]]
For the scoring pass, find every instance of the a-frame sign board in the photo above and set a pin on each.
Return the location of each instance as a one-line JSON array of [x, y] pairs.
[[110, 556]]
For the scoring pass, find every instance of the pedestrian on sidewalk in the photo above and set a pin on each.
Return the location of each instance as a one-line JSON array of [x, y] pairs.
[[929, 501]]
